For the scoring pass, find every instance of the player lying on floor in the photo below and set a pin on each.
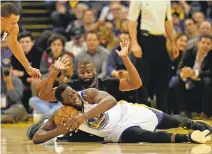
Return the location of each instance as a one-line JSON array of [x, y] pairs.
[[115, 122]]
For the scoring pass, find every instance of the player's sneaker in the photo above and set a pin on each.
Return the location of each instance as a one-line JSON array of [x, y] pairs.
[[33, 128], [197, 125], [199, 137]]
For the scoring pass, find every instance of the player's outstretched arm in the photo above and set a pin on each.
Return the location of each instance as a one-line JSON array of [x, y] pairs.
[[134, 80], [46, 132], [47, 92], [17, 51]]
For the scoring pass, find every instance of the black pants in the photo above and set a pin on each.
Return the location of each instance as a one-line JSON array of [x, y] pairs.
[[197, 99], [153, 69], [136, 134]]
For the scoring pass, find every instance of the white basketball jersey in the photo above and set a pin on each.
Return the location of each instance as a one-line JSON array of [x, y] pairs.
[[113, 122], [102, 124]]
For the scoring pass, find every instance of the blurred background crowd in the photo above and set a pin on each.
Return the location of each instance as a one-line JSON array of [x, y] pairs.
[[93, 30]]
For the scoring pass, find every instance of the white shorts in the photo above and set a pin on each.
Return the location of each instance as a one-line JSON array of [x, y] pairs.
[[146, 118]]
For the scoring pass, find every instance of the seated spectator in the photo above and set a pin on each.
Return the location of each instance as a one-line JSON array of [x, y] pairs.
[[33, 54], [12, 110], [89, 21], [181, 41], [116, 67], [48, 108], [195, 82], [56, 43], [77, 43], [177, 23], [107, 38], [205, 28], [106, 14], [192, 33], [95, 53], [79, 12], [61, 17], [118, 17], [198, 17], [176, 8]]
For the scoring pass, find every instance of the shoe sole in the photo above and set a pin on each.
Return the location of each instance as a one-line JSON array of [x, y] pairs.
[[29, 130], [197, 136]]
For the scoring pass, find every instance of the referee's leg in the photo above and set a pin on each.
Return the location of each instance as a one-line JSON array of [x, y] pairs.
[[144, 67], [161, 73]]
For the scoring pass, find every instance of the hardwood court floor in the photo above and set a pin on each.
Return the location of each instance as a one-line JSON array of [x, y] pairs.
[[14, 141]]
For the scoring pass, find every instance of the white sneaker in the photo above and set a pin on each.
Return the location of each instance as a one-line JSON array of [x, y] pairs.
[[200, 137]]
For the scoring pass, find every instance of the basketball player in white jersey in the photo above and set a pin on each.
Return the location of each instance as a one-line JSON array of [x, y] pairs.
[[103, 116], [9, 30]]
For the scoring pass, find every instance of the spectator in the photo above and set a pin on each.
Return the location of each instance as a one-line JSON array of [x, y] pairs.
[[61, 17], [195, 74], [177, 23], [106, 14], [192, 33], [56, 43], [89, 21], [33, 54], [95, 53], [176, 8], [205, 28], [12, 110], [106, 36], [198, 17], [117, 14], [78, 23], [181, 41], [77, 43], [116, 67]]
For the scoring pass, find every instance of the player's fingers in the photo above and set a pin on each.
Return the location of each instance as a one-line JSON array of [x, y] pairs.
[[121, 43], [59, 59], [74, 126], [62, 121]]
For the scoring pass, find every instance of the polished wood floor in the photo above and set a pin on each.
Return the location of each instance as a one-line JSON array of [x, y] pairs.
[[14, 141]]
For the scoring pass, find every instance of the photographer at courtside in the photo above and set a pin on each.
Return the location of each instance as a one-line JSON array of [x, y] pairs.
[[12, 110]]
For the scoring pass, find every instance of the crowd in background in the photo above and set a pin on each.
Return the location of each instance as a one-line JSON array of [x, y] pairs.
[[92, 30]]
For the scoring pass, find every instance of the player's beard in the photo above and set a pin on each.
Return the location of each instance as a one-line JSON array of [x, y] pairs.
[[87, 82]]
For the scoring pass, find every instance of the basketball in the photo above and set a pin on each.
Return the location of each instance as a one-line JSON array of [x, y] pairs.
[[64, 112]]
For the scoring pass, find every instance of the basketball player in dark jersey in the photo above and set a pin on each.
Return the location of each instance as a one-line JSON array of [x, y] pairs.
[[9, 30]]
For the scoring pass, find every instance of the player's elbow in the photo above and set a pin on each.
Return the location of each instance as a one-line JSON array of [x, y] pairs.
[[113, 101], [138, 85]]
